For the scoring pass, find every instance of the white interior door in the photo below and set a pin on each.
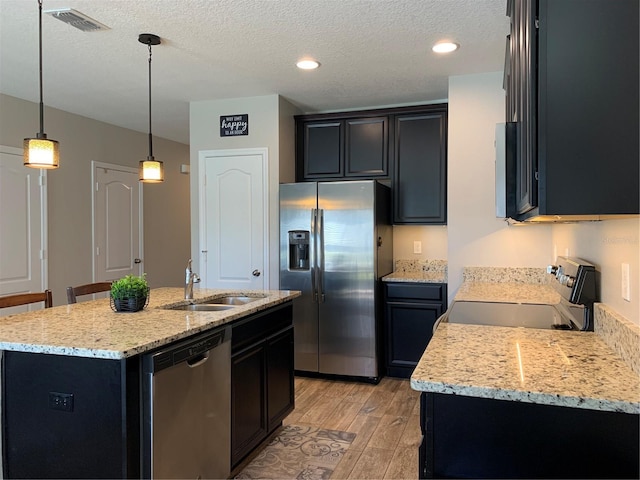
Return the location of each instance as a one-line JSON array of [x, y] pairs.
[[234, 239], [23, 228], [117, 222]]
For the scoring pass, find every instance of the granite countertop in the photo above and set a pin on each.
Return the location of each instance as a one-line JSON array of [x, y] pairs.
[[551, 367], [418, 271], [92, 329], [418, 277]]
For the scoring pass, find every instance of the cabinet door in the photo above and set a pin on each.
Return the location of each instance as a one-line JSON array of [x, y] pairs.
[[322, 150], [366, 147], [589, 117], [248, 397], [409, 330], [524, 35], [280, 389], [420, 168]]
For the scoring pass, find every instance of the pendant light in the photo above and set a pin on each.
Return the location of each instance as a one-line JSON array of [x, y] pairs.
[[41, 152], [151, 170]]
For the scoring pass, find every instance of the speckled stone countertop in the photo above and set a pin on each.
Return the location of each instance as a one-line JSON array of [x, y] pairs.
[[92, 329], [550, 367], [419, 271]]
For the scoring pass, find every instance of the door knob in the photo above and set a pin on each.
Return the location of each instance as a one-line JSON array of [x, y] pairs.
[[256, 273], [137, 260]]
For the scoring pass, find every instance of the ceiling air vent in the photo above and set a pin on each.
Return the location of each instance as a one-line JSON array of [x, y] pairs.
[[77, 19]]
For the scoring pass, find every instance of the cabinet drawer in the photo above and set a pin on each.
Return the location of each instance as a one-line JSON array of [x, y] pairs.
[[257, 328], [416, 291]]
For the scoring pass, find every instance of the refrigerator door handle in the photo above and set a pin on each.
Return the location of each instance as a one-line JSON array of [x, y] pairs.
[[320, 256], [314, 266]]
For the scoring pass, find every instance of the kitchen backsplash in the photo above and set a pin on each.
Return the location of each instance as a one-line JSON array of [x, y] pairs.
[[421, 266], [619, 334], [536, 276]]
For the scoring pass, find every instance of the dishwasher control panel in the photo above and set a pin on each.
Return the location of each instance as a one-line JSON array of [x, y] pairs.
[[182, 352]]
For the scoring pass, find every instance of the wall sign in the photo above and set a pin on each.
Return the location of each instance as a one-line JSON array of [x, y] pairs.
[[234, 125]]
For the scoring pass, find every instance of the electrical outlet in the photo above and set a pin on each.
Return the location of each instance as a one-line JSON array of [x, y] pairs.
[[626, 289], [417, 246], [61, 401]]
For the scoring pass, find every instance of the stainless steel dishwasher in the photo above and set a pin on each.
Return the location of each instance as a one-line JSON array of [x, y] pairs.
[[186, 408]]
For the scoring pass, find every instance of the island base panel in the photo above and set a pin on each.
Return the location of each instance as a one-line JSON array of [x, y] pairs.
[[65, 417]]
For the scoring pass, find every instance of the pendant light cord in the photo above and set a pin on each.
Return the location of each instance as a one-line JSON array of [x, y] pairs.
[[41, 134], [150, 141]]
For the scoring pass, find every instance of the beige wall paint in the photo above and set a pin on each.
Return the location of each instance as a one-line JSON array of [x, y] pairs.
[[475, 236], [434, 242], [287, 134], [271, 125], [608, 245], [166, 205]]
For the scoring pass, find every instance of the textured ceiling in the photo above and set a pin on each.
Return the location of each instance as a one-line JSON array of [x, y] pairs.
[[372, 53]]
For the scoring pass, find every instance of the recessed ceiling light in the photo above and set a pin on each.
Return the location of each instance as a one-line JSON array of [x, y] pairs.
[[445, 47], [307, 64]]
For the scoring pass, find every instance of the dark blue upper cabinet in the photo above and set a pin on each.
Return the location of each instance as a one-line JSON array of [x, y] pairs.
[[572, 89]]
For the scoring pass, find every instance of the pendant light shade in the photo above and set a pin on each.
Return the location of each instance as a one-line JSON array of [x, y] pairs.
[[150, 170], [41, 152]]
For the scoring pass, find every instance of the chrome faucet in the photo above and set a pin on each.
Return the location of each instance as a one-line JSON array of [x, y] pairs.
[[190, 279]]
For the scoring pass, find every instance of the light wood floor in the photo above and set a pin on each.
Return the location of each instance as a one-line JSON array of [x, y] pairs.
[[385, 418]]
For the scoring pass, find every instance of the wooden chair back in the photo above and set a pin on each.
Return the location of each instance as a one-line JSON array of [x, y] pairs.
[[88, 289], [26, 298]]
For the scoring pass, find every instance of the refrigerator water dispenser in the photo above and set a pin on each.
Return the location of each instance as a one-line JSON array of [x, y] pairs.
[[299, 250]]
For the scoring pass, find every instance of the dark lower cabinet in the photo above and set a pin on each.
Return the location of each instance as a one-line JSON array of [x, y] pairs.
[[262, 389], [280, 391], [411, 309], [469, 437], [248, 400]]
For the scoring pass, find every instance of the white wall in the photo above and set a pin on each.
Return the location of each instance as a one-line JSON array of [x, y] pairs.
[[475, 236], [271, 125]]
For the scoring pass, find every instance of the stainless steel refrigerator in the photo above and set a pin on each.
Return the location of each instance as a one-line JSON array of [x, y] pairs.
[[336, 243]]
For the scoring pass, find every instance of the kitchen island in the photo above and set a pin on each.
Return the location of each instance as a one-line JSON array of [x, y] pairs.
[[505, 402], [94, 354]]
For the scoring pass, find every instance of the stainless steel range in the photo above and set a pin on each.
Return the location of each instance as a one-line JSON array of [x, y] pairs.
[[575, 281]]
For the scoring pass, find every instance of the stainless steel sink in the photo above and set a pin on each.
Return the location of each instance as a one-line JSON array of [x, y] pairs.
[[508, 315], [215, 304], [201, 307], [233, 300]]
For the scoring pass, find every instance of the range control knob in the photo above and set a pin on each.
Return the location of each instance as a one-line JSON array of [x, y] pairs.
[[567, 280], [552, 269]]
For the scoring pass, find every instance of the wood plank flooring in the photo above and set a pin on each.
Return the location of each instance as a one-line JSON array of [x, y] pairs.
[[385, 418]]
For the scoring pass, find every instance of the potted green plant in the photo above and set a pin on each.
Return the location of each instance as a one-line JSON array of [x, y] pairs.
[[129, 293]]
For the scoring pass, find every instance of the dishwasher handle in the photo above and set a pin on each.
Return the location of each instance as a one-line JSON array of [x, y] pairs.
[[198, 360]]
